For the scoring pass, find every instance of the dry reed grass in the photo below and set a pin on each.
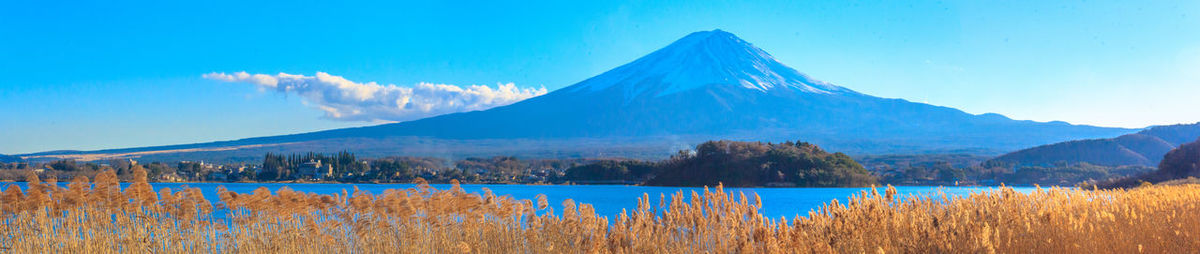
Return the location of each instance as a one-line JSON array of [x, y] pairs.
[[105, 219]]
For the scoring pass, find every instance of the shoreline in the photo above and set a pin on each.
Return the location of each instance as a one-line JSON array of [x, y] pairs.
[[628, 185]]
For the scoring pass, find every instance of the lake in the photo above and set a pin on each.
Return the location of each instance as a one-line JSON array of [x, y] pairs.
[[608, 200]]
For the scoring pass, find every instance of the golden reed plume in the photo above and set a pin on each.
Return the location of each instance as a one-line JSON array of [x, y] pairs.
[[101, 218]]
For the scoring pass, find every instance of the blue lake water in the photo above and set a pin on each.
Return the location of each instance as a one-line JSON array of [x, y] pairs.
[[608, 200]]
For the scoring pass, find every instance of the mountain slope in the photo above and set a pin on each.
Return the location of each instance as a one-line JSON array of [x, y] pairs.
[[1176, 135], [9, 158], [1145, 148], [707, 85], [713, 84], [1179, 166], [1181, 162]]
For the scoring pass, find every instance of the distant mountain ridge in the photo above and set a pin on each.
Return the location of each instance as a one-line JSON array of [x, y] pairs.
[[708, 85], [9, 158], [1145, 148]]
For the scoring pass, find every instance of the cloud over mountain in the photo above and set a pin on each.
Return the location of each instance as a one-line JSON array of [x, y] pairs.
[[346, 100]]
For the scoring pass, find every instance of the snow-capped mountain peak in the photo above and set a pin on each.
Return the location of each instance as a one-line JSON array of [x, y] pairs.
[[709, 85], [703, 59]]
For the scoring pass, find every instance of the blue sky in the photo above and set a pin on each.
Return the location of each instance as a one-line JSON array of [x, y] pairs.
[[92, 75]]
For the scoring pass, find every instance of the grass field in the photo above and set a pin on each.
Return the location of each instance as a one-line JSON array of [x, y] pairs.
[[98, 216]]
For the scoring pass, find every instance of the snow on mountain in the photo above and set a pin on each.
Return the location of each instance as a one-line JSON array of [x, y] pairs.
[[707, 85], [700, 59]]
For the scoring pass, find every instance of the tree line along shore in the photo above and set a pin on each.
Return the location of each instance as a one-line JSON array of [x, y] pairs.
[[733, 163]]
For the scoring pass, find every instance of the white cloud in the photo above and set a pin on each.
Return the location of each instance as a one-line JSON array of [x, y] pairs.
[[346, 100]]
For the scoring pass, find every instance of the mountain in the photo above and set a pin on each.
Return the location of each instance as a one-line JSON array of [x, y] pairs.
[[1145, 148], [9, 158], [707, 85], [1176, 135], [1179, 166], [1181, 162]]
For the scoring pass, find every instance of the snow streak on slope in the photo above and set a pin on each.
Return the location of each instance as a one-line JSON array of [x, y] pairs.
[[703, 59]]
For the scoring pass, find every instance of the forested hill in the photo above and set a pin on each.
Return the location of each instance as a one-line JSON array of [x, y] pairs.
[[745, 164], [1181, 164], [1145, 148]]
